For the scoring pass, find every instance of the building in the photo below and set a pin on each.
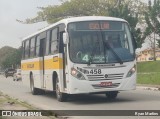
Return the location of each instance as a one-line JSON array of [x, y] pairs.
[[148, 55]]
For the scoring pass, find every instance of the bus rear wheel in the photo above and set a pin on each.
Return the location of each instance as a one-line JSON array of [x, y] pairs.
[[34, 90], [62, 97], [112, 94]]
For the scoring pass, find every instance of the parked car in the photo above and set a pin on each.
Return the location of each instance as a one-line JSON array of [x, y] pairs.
[[17, 75], [9, 72], [151, 58]]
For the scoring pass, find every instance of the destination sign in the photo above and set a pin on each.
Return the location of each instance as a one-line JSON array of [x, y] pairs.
[[96, 25]]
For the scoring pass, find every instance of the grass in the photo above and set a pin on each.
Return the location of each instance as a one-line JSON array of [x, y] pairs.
[[148, 72], [150, 78], [151, 66]]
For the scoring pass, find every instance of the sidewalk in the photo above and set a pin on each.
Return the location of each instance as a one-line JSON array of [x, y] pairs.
[[148, 87]]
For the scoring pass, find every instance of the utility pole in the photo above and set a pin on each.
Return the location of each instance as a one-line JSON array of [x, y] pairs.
[[154, 47]]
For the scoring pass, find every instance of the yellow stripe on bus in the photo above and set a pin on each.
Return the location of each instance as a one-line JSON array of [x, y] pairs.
[[48, 64], [51, 64]]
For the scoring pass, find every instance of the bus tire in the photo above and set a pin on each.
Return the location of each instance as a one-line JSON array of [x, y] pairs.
[[62, 97], [34, 90], [112, 94]]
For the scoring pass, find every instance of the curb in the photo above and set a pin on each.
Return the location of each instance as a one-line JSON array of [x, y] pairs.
[[148, 88]]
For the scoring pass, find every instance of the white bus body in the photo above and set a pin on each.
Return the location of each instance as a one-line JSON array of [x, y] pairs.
[[74, 56]]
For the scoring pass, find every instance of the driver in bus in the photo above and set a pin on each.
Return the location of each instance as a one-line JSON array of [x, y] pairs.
[[113, 42]]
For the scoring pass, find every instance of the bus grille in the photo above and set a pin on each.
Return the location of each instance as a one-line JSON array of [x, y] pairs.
[[105, 77]]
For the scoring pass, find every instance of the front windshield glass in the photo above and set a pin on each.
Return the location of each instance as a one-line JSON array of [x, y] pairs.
[[100, 42]]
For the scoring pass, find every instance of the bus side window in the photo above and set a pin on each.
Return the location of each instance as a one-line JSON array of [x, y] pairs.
[[27, 49], [23, 50], [48, 51], [37, 46], [54, 41], [32, 47], [125, 42], [61, 45]]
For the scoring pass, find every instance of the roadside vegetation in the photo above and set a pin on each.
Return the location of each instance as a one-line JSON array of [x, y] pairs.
[[5, 52], [149, 72], [9, 103], [9, 57]]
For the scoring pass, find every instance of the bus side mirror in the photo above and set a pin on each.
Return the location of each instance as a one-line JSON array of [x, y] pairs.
[[65, 38]]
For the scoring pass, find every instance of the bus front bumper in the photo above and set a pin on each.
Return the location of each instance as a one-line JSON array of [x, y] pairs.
[[84, 86]]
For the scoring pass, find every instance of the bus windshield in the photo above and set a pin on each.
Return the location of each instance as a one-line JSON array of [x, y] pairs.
[[100, 42]]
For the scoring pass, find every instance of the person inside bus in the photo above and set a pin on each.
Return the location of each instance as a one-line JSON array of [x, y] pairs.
[[76, 52], [113, 41]]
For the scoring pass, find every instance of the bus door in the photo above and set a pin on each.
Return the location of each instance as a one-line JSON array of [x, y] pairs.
[[42, 53], [63, 50]]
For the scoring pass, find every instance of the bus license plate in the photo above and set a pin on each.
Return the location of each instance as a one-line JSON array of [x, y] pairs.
[[105, 83]]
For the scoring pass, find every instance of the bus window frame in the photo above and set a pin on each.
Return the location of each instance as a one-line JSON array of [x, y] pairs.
[[57, 40], [48, 33], [33, 46], [60, 28], [23, 50], [28, 53], [37, 55]]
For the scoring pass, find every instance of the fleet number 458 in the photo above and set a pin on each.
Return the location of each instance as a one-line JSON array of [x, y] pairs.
[[95, 71]]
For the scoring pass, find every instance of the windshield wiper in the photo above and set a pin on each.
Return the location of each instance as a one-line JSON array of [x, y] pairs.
[[117, 56], [91, 56], [109, 47], [90, 61]]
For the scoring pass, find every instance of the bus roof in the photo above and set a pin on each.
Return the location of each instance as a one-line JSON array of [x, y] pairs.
[[76, 19]]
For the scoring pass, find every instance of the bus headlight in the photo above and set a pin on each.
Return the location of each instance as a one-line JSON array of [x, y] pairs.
[[131, 71], [77, 74]]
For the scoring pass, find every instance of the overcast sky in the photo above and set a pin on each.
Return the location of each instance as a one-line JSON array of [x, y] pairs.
[[11, 32]]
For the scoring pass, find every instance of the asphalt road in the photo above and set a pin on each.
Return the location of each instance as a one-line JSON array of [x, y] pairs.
[[128, 100]]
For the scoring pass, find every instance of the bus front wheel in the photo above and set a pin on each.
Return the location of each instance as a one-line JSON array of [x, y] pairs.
[[112, 94], [62, 97]]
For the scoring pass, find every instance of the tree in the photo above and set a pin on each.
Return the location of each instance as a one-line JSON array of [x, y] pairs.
[[13, 59], [159, 43], [152, 17], [130, 10], [5, 52], [153, 23]]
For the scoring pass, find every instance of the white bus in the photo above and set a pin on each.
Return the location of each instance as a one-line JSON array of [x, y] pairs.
[[80, 55]]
